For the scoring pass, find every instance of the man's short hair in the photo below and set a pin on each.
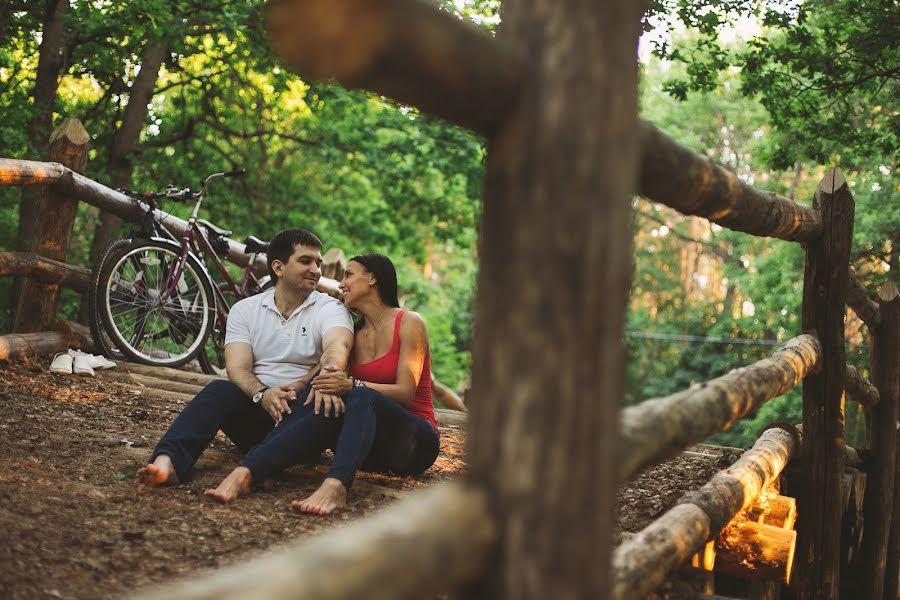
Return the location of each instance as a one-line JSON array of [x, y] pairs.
[[282, 246]]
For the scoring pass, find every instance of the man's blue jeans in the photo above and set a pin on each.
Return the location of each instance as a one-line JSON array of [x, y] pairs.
[[223, 405]]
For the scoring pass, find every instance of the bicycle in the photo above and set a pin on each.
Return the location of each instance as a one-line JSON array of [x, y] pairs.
[[153, 295]]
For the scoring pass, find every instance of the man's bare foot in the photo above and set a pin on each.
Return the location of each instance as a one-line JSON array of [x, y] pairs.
[[330, 496], [236, 484], [159, 472]]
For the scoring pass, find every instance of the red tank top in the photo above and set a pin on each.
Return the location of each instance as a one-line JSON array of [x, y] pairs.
[[384, 370]]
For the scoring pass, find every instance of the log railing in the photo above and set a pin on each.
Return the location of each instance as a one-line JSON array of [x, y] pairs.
[[644, 561], [419, 55]]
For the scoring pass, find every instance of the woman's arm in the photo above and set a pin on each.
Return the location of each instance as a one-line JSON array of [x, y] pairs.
[[413, 348]]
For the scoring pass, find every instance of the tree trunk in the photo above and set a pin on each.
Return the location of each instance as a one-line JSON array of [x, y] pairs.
[[44, 96], [126, 139], [548, 366], [824, 306]]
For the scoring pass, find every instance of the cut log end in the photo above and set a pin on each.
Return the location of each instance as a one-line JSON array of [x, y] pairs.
[[888, 292]]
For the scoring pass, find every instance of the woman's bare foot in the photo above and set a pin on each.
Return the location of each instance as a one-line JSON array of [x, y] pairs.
[[159, 472], [236, 484], [330, 496]]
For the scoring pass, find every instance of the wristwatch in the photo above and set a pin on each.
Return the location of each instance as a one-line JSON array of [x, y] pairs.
[[258, 395]]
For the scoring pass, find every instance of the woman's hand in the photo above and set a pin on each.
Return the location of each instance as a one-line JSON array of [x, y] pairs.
[[332, 381]]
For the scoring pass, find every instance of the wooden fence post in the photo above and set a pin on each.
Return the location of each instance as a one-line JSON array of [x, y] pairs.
[[548, 367], [824, 298], [36, 303], [879, 500]]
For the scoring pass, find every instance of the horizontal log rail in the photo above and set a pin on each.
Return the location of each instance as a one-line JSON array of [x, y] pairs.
[[643, 562], [409, 50], [858, 299], [861, 389], [46, 270], [694, 185], [426, 543], [26, 172], [661, 427]]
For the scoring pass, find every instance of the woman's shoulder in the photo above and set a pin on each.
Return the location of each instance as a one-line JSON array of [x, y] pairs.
[[412, 323]]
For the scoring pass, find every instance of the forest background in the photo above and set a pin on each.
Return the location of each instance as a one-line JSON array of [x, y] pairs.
[[775, 91]]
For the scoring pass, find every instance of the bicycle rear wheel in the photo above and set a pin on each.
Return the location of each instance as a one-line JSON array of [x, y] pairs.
[[102, 342], [146, 325]]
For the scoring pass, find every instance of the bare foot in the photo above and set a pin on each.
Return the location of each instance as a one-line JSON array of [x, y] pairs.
[[159, 472], [330, 496], [236, 484]]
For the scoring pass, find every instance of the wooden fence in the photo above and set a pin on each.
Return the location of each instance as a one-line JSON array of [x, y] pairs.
[[479, 529]]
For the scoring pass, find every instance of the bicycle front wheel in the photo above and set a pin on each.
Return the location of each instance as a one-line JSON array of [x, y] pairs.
[[153, 318]]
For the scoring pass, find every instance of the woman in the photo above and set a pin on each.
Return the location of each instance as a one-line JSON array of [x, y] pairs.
[[388, 391], [389, 422]]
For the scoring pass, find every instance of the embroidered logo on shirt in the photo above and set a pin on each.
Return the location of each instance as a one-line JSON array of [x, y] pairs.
[[302, 330]]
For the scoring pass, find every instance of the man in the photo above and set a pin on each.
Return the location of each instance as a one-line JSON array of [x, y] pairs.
[[273, 342]]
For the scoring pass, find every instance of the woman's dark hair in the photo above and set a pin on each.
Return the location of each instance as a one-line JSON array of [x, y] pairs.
[[385, 274]]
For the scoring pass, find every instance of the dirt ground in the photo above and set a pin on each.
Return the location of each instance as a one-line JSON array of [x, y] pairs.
[[75, 525]]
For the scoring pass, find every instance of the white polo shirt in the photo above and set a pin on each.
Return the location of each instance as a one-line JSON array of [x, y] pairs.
[[284, 350]]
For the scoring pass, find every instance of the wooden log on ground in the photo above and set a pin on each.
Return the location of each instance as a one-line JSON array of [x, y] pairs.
[[25, 345], [427, 543], [879, 503], [200, 379], [824, 307], [660, 427], [694, 185], [54, 218], [774, 510], [756, 551], [861, 389], [644, 561], [45, 270], [29, 172], [409, 50], [154, 383]]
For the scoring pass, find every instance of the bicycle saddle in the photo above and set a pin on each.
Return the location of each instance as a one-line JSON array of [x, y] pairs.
[[216, 230], [255, 245]]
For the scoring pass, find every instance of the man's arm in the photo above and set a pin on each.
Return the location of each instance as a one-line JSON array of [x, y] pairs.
[[336, 345], [239, 365]]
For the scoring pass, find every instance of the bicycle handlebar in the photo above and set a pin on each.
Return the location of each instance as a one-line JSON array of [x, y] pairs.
[[182, 194]]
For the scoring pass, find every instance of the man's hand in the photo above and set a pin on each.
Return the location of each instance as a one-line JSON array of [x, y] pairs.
[[326, 403], [276, 401], [332, 381]]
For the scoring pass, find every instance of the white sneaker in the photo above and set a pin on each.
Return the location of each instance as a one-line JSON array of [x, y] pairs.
[[62, 363], [95, 362], [82, 365]]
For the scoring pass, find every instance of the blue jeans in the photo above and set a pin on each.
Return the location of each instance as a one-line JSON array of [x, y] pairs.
[[223, 405], [380, 435]]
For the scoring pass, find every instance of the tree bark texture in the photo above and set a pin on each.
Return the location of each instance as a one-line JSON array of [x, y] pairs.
[[96, 194], [879, 501], [892, 562], [694, 185], [548, 369], [661, 427], [861, 389], [824, 306], [419, 546], [44, 270], [409, 50], [127, 137], [858, 299], [644, 561], [46, 84], [36, 303]]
